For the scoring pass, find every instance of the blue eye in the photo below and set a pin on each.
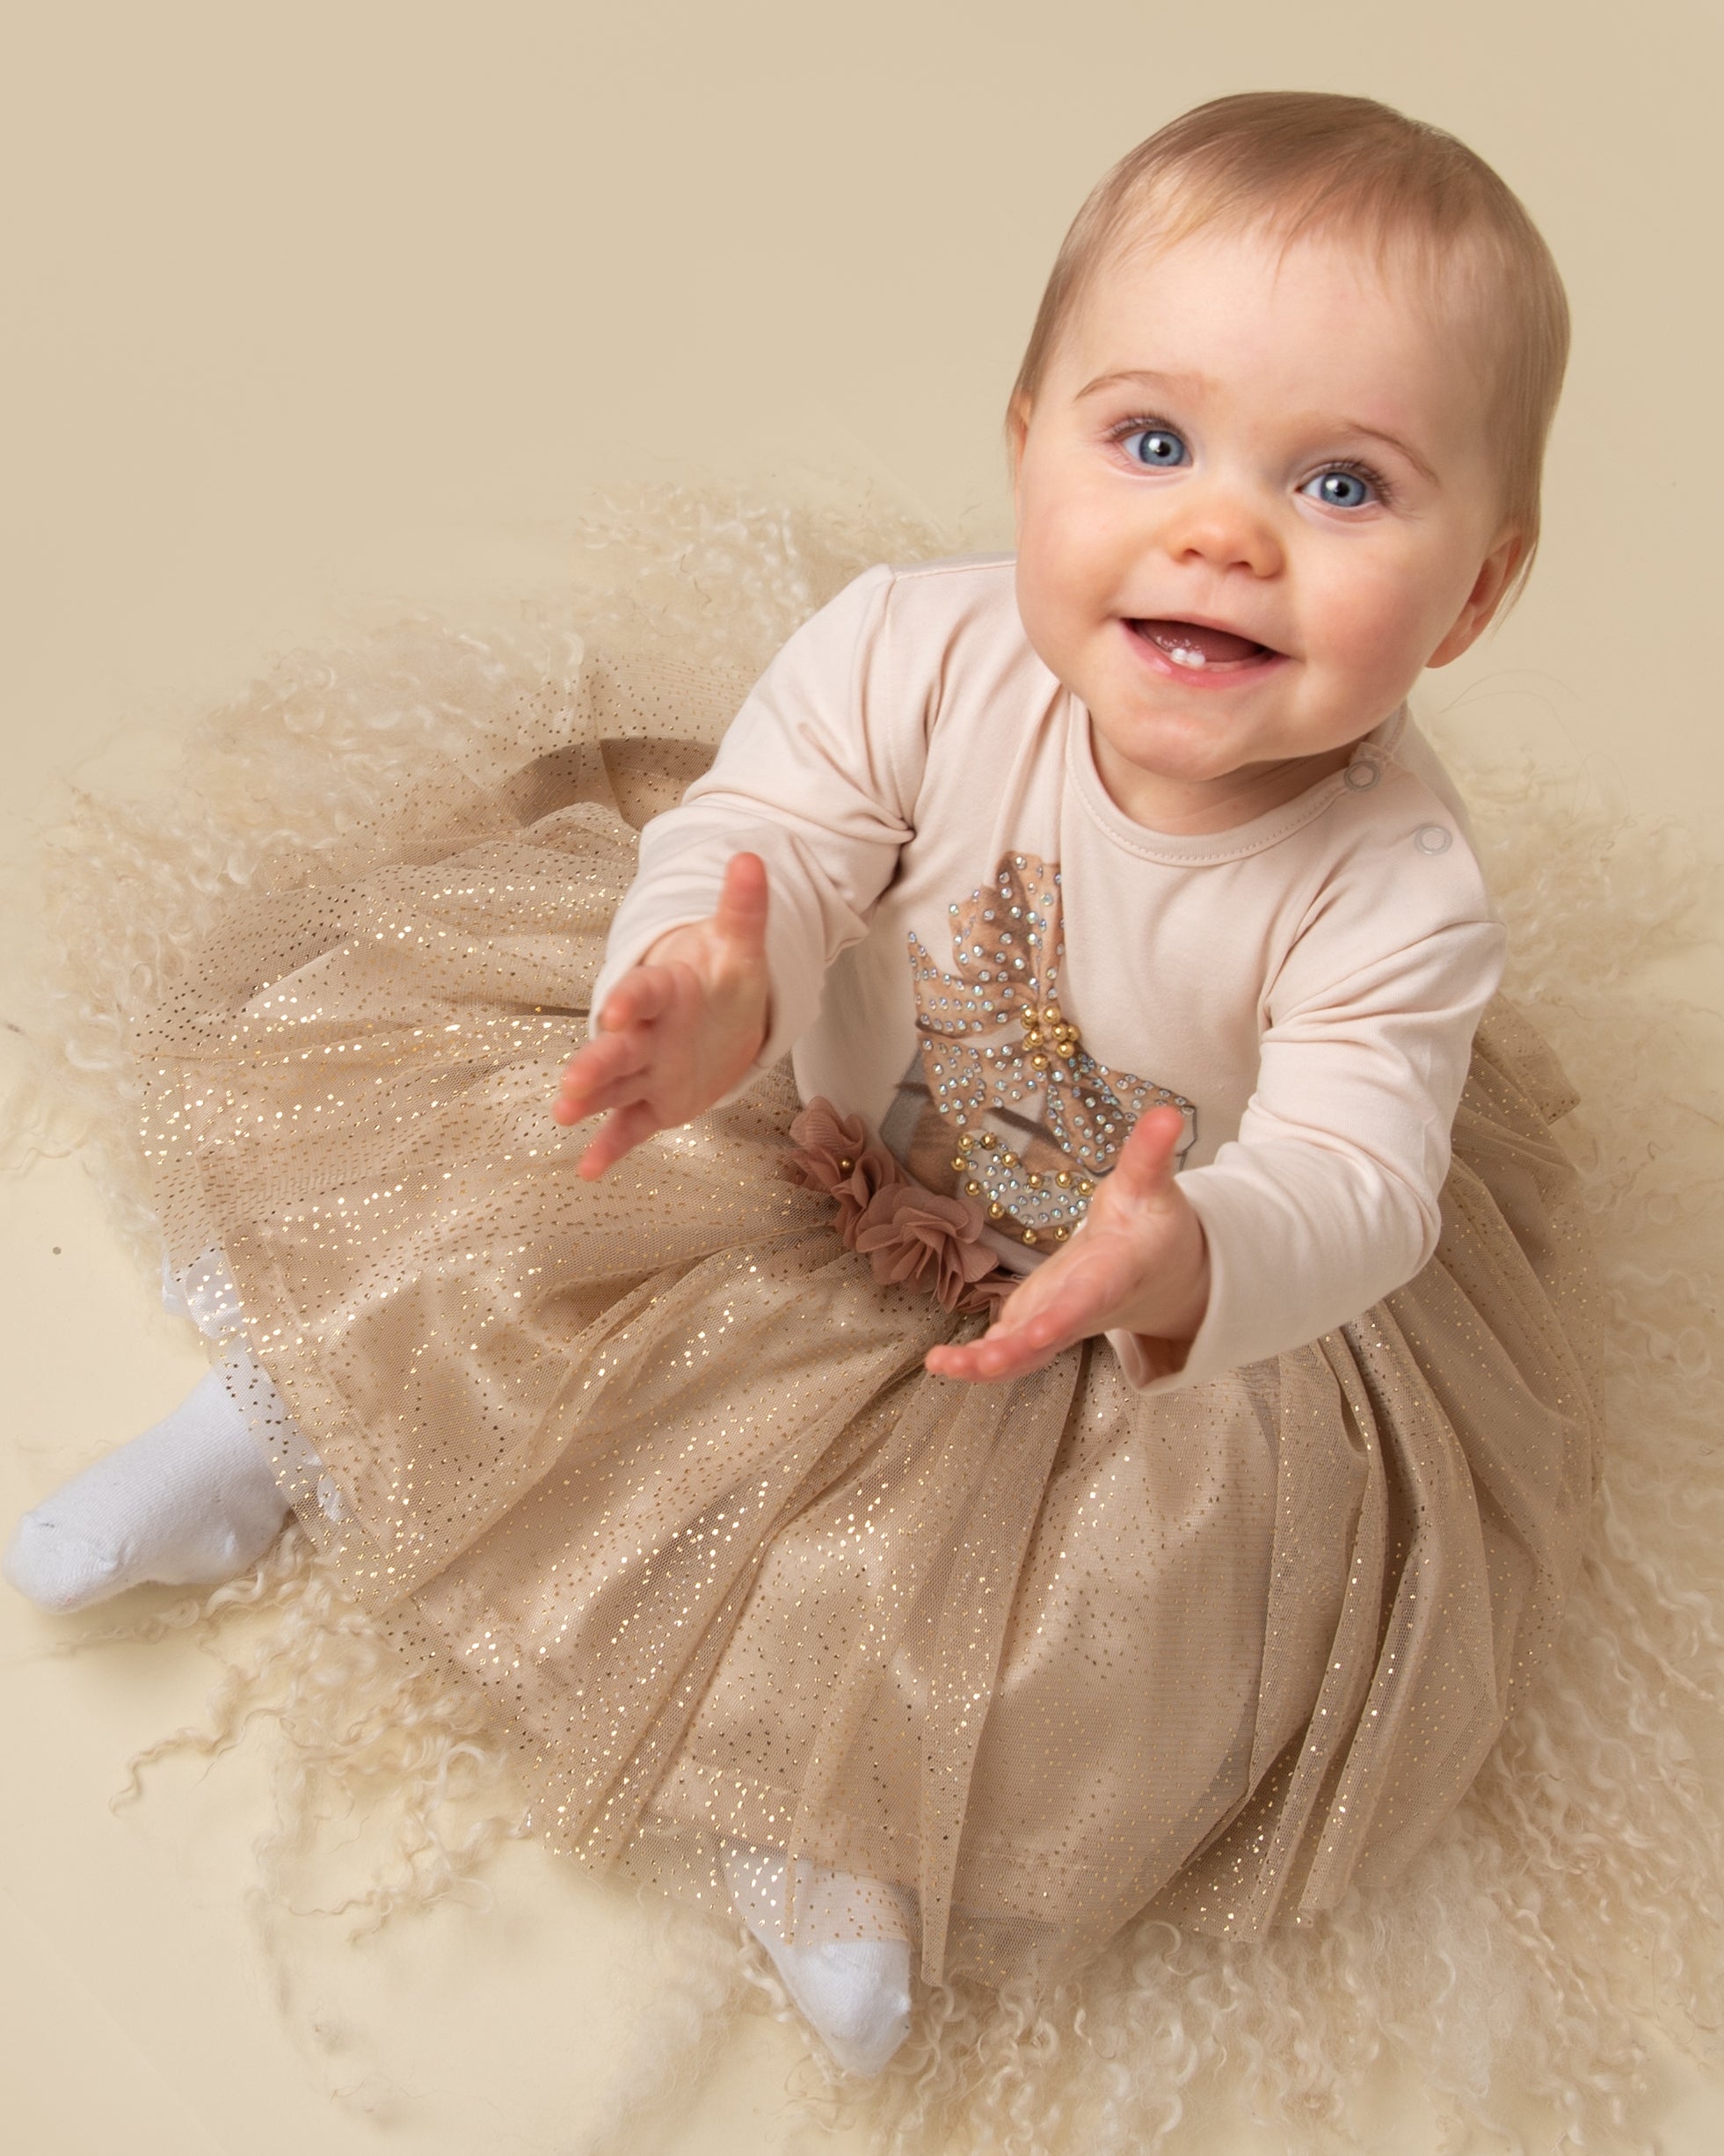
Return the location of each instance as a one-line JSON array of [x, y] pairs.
[[1155, 447], [1339, 488]]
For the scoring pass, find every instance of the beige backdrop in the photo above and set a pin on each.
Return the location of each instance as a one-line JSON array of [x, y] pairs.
[[310, 303]]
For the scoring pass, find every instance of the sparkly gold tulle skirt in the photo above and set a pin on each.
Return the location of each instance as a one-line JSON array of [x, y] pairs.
[[653, 1464]]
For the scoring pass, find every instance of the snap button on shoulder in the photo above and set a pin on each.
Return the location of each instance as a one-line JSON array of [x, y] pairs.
[[1433, 838]]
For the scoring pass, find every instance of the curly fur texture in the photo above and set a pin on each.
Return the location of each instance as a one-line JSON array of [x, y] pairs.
[[1580, 1889]]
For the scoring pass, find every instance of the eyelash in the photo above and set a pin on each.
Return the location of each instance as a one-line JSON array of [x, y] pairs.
[[1360, 470], [1149, 422]]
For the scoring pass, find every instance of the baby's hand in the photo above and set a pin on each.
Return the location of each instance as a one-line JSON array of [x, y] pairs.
[[680, 1030], [1140, 1265]]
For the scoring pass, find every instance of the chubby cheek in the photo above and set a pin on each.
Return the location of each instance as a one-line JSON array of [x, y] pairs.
[[1066, 576], [1045, 613], [1048, 596], [1371, 634]]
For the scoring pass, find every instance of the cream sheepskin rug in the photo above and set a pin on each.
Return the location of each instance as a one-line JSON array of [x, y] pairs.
[[1577, 1892]]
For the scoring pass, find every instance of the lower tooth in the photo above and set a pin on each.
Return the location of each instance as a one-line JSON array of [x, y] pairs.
[[1182, 655]]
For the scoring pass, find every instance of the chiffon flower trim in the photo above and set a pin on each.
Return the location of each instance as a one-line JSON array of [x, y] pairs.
[[912, 1236]]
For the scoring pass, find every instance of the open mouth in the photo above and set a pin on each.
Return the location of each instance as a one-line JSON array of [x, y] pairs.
[[1197, 650]]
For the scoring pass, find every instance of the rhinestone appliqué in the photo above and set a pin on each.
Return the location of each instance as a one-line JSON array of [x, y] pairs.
[[994, 1037]]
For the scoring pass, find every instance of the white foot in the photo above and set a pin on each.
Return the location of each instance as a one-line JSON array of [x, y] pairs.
[[190, 1501], [854, 1992]]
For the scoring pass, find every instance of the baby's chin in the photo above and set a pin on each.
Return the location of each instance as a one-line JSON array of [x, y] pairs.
[[1142, 757], [1180, 761]]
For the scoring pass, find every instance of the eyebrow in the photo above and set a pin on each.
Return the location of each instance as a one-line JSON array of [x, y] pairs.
[[1141, 373], [1149, 378]]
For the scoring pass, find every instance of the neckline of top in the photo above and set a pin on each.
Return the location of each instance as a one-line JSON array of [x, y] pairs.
[[1204, 849]]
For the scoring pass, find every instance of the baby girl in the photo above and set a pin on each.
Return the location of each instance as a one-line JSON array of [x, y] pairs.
[[1115, 1431]]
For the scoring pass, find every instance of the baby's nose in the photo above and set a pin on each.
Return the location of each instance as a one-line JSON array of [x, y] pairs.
[[1224, 528]]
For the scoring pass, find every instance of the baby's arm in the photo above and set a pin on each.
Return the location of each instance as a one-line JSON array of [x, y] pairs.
[[811, 793], [817, 774], [680, 1029]]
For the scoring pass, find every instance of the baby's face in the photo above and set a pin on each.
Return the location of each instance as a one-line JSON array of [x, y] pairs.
[[1255, 497]]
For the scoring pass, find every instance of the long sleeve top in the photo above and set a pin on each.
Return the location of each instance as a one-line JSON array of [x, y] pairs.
[[972, 946]]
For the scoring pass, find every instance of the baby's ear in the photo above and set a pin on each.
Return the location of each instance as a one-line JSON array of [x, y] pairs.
[[1017, 427], [1018, 430], [1497, 573]]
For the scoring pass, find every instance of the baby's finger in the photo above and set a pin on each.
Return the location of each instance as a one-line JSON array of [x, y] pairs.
[[740, 916], [599, 1066], [623, 1130], [1145, 1168], [1002, 1352], [638, 999], [623, 1091]]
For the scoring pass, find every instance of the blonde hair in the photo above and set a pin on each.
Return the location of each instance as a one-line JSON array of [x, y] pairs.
[[1301, 164]]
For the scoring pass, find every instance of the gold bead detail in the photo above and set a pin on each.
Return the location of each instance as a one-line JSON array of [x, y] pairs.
[[1030, 1236], [1008, 1160], [974, 1188], [844, 1166], [1085, 1187], [1038, 1061], [1033, 1180], [1064, 1179], [1061, 1233], [960, 1163], [996, 1210]]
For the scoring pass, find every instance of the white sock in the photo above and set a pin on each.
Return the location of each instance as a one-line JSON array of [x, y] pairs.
[[190, 1501], [854, 1992]]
